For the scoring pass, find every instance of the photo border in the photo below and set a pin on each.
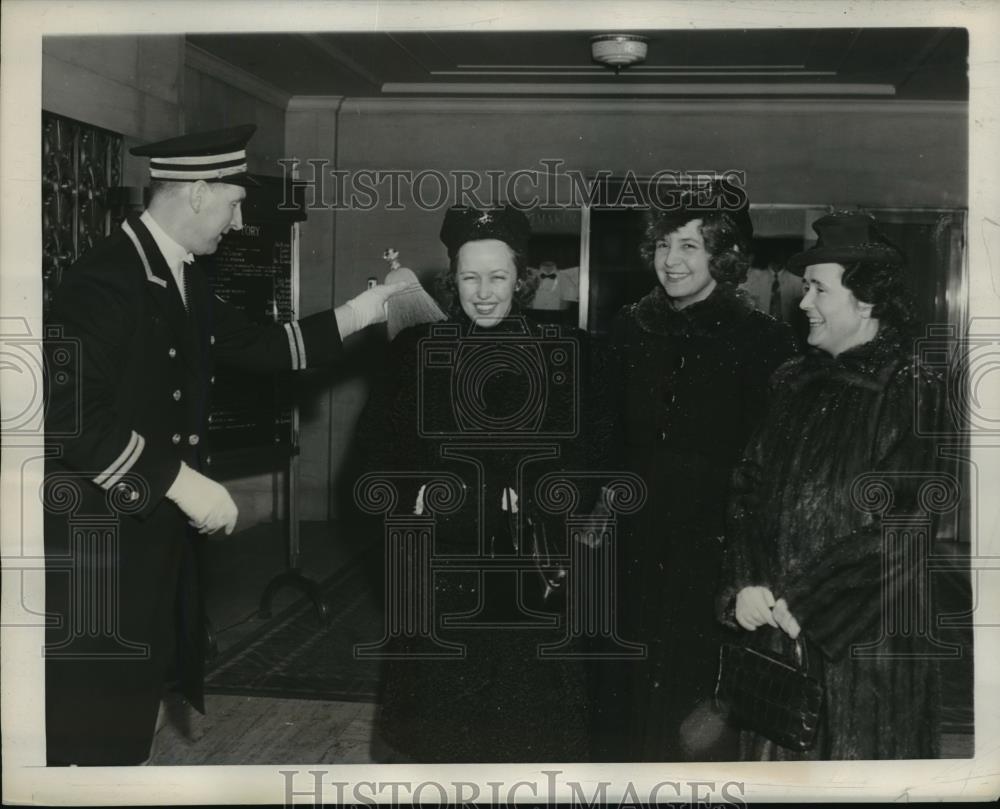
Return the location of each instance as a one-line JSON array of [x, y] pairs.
[[26, 780]]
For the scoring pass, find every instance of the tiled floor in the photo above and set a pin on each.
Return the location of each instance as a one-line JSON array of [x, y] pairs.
[[238, 569], [257, 730], [254, 730]]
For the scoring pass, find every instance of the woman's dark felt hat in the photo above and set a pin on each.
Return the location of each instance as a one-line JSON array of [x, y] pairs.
[[844, 237], [466, 224], [692, 206]]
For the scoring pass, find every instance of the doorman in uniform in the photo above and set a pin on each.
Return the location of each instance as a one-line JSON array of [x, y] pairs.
[[138, 337]]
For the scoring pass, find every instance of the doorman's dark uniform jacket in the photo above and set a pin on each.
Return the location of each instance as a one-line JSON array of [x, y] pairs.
[[130, 377]]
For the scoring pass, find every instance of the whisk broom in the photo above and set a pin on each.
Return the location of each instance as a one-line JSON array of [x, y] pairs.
[[411, 307]]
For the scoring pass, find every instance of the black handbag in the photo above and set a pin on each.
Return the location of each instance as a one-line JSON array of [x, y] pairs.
[[771, 694]]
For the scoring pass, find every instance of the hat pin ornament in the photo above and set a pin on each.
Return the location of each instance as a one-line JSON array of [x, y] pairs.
[[412, 306]]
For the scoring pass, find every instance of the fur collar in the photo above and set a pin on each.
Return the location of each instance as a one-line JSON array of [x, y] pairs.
[[655, 314], [871, 364]]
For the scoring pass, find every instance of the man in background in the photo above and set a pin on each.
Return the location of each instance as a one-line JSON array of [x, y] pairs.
[[772, 287]]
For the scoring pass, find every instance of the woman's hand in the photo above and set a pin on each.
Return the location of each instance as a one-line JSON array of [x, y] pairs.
[[753, 607], [756, 606], [785, 619]]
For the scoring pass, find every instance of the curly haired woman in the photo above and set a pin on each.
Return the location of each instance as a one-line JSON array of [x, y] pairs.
[[691, 361]]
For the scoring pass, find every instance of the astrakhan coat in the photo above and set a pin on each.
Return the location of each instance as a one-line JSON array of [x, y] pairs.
[[129, 387], [500, 701], [848, 442]]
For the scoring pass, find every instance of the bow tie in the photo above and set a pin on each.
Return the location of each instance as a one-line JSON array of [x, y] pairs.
[[547, 275]]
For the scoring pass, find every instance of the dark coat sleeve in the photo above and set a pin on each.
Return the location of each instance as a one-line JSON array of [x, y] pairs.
[[838, 599], [837, 595], [305, 343], [771, 343], [387, 432], [746, 560]]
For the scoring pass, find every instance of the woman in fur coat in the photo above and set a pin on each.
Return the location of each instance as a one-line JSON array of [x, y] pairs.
[[840, 452]]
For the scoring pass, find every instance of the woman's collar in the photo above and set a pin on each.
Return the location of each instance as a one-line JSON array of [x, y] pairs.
[[868, 358], [655, 313], [514, 322]]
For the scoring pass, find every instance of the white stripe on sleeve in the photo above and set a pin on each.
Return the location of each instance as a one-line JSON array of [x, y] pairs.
[[300, 343], [293, 347], [123, 463]]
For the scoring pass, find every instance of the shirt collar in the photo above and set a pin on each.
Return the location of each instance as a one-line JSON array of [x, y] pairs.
[[172, 252]]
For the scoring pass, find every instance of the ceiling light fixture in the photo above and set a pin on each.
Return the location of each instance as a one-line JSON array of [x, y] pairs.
[[618, 50]]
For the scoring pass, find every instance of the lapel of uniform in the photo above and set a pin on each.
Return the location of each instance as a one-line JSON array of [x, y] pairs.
[[200, 309], [163, 290]]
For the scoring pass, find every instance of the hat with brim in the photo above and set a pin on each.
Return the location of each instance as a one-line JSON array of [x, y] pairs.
[[218, 156], [845, 237]]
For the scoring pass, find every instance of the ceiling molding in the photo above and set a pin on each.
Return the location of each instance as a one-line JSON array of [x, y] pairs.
[[342, 58], [632, 68], [679, 89], [644, 106], [216, 68], [768, 72], [929, 63], [310, 103]]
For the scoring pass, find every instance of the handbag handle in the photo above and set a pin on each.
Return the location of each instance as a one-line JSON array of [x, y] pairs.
[[799, 654]]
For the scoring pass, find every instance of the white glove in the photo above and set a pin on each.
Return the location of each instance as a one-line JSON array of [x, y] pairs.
[[784, 618], [206, 503], [754, 607], [366, 309]]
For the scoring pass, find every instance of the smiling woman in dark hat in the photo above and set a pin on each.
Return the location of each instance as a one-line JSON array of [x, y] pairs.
[[805, 554], [853, 283], [490, 398], [688, 376], [487, 278]]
